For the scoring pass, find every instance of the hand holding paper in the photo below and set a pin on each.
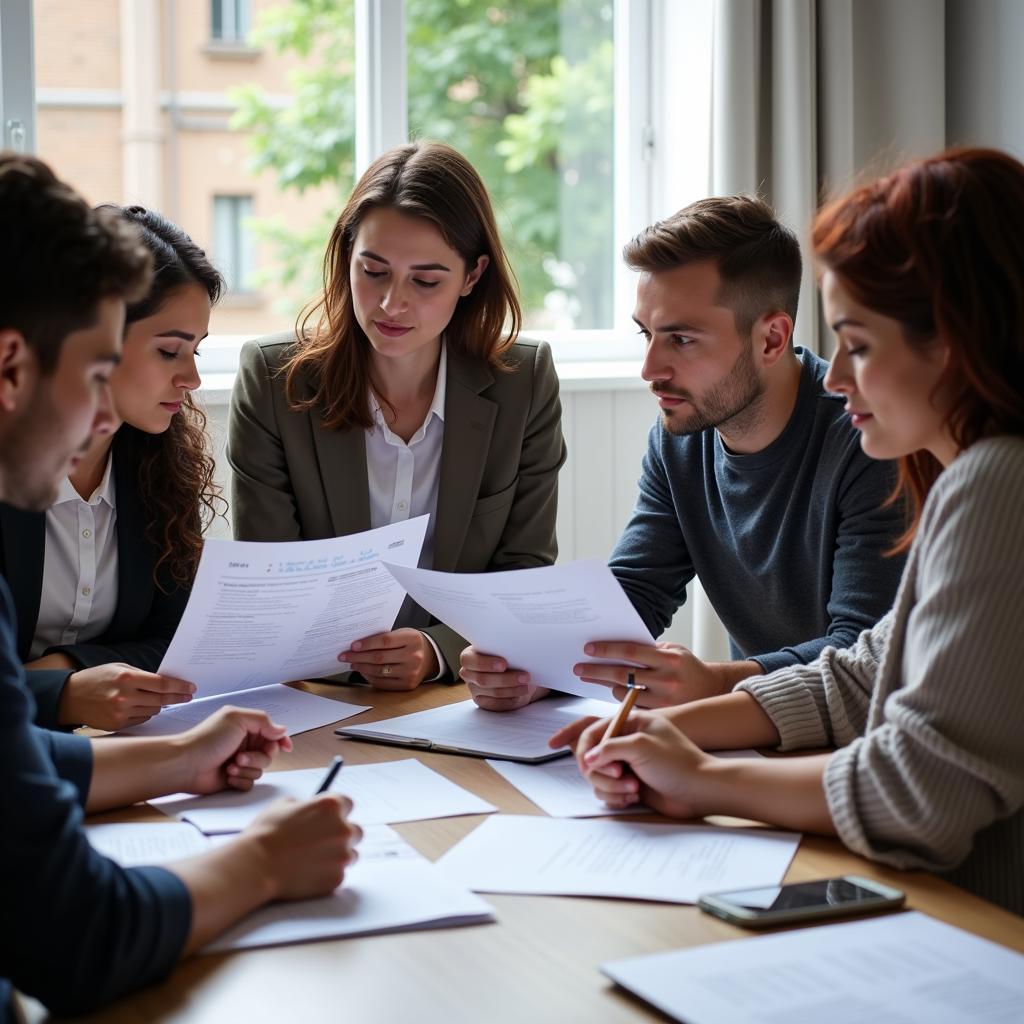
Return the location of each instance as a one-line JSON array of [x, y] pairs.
[[537, 620]]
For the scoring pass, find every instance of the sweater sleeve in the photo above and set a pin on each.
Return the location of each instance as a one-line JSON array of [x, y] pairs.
[[651, 560], [824, 704], [947, 759]]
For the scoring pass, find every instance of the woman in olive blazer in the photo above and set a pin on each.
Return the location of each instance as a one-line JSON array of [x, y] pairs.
[[410, 346]]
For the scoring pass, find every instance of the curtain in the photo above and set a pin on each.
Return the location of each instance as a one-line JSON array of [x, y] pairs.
[[806, 95]]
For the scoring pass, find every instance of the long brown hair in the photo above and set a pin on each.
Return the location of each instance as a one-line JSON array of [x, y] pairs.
[[423, 179], [176, 467], [939, 247]]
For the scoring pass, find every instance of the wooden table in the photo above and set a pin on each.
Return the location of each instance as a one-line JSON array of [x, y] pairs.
[[537, 963]]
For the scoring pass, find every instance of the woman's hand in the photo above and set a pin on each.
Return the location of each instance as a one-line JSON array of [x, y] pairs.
[[117, 696], [398, 660], [493, 685], [650, 762]]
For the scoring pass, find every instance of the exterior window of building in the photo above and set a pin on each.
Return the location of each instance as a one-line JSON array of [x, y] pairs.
[[229, 21], [232, 241]]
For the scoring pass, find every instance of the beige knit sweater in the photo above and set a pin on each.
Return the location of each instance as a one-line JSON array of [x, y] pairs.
[[927, 708]]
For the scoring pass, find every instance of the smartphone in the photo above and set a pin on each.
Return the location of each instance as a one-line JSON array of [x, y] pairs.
[[801, 901]]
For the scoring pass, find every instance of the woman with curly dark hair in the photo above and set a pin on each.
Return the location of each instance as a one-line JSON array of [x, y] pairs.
[[101, 579]]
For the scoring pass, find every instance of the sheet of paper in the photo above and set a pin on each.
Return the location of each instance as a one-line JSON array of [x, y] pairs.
[[381, 794], [271, 613], [390, 888], [572, 857], [296, 710], [558, 789], [905, 968], [465, 727], [538, 619], [141, 843]]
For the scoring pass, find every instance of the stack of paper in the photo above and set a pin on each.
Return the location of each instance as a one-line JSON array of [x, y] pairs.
[[559, 856], [135, 844], [905, 968], [381, 794]]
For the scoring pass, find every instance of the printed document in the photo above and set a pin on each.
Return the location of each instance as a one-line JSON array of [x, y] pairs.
[[905, 968], [464, 728], [390, 888], [140, 843], [297, 710], [384, 793], [272, 613], [567, 857], [537, 619]]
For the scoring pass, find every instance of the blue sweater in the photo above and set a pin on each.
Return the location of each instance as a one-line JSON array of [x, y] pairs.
[[787, 542], [76, 930]]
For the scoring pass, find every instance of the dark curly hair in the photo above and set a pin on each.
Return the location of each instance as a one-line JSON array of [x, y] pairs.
[[176, 467], [51, 234]]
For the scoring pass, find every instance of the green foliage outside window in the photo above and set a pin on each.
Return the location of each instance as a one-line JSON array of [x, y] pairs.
[[523, 89]]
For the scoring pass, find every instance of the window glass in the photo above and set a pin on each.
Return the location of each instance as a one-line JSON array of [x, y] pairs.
[[250, 143], [525, 89]]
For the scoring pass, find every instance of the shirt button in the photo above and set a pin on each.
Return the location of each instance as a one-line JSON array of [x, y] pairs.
[[87, 534], [86, 591], [403, 505]]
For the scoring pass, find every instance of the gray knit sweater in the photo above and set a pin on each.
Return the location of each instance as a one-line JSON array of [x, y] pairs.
[[927, 708]]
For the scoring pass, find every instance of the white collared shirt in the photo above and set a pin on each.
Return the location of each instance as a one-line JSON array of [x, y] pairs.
[[403, 478], [79, 594]]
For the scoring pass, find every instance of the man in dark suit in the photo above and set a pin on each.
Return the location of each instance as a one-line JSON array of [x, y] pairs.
[[76, 929]]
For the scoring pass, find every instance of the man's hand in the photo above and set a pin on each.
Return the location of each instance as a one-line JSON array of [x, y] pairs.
[[116, 696], [399, 660], [305, 846], [493, 685], [228, 751], [672, 673]]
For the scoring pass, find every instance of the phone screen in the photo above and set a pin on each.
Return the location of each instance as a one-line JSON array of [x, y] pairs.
[[828, 892]]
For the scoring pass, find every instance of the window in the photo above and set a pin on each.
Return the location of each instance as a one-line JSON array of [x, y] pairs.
[[229, 21], [565, 106], [232, 241], [525, 89]]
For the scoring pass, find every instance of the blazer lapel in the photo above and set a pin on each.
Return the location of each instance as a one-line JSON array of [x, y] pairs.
[[135, 557], [341, 455], [468, 425], [24, 543]]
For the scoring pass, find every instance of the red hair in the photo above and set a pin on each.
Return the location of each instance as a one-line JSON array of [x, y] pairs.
[[939, 247]]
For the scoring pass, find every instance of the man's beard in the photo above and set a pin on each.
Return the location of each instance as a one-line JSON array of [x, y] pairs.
[[27, 482], [732, 402]]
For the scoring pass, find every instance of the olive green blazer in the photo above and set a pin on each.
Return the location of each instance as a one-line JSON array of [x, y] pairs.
[[295, 479]]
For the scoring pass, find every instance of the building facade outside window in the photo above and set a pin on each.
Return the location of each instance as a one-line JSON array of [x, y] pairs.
[[233, 249]]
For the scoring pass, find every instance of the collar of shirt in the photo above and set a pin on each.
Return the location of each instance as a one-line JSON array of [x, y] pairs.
[[105, 492], [436, 405]]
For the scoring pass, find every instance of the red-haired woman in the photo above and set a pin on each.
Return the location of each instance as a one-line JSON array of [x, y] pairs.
[[404, 392], [922, 276]]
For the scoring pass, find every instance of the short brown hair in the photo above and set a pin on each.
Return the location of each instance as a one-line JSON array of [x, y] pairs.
[[758, 258], [422, 179], [60, 258], [939, 247]]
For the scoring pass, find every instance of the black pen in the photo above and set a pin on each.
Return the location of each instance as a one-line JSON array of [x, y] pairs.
[[332, 770]]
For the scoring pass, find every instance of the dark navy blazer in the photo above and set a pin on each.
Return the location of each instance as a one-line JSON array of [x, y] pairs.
[[146, 615], [76, 930]]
